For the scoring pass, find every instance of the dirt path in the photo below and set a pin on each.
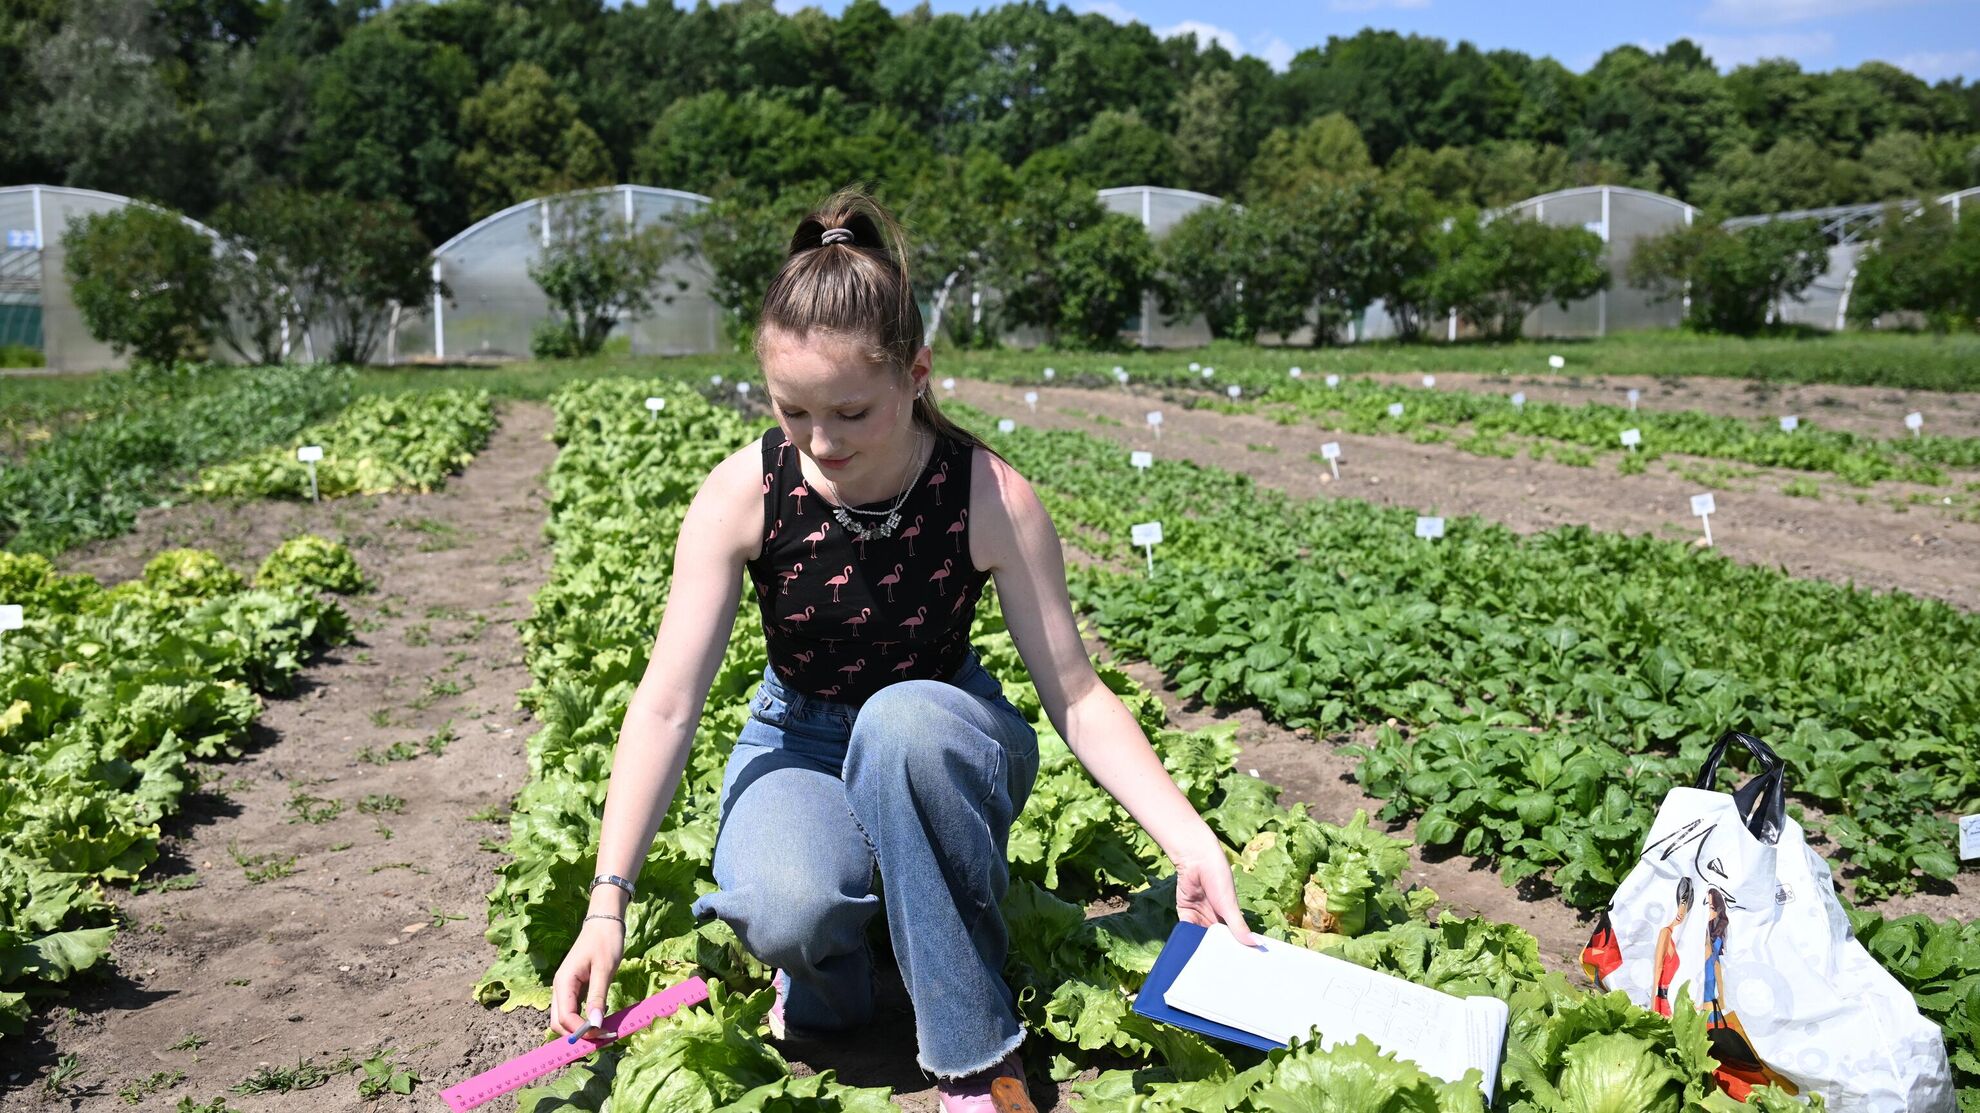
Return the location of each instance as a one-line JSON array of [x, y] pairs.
[[1870, 410], [1831, 538], [375, 936]]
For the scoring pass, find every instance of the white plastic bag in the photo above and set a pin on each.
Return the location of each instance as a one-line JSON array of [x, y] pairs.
[[1729, 900]]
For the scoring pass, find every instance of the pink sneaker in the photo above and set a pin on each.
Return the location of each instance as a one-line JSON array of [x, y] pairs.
[[971, 1093], [779, 980]]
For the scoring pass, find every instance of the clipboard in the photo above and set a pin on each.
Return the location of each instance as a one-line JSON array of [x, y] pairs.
[[1151, 1003]]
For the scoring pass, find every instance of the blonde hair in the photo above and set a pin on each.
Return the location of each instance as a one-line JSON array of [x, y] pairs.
[[858, 289]]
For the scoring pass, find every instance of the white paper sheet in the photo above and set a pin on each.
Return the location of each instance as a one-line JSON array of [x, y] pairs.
[[1283, 991]]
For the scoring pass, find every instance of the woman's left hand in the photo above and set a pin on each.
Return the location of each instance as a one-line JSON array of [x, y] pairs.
[[1205, 894]]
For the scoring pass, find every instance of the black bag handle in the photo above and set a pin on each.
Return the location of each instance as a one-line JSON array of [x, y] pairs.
[[1762, 800]]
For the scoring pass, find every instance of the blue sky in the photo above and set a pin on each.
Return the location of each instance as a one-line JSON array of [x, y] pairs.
[[1932, 38]]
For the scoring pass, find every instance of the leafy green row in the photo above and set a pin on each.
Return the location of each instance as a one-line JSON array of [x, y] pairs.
[[104, 696], [1546, 690], [1362, 406], [403, 442], [619, 489], [90, 481]]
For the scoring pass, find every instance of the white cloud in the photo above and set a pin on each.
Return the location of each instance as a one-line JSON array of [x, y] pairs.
[[1206, 33], [1271, 49], [1764, 13], [1108, 8], [1727, 51], [1375, 5], [1277, 53], [1935, 64]]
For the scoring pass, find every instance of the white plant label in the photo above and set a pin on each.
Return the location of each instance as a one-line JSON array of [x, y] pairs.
[[1119, 370], [1429, 382], [715, 380], [1031, 399], [309, 453], [1331, 452], [742, 389], [1120, 376], [1631, 438], [948, 384], [1969, 829], [1790, 423], [1234, 390], [1006, 425], [1429, 528], [1049, 374], [1914, 422], [1147, 535], [1556, 362], [11, 618], [1702, 505], [1333, 381], [1634, 396], [1209, 372], [1519, 400], [1293, 373], [1395, 409], [1195, 366], [1142, 460]]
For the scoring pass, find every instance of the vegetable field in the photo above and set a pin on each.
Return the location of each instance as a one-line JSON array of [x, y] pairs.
[[418, 700]]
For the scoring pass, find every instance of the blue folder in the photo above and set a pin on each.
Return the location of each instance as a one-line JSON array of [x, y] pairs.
[[1151, 1003]]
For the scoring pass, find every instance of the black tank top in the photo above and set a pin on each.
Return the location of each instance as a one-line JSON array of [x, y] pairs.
[[845, 618]]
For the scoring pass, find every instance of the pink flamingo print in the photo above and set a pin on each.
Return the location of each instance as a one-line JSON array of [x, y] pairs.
[[937, 480], [849, 670], [828, 693], [798, 492], [859, 619], [940, 575], [831, 645], [788, 671], [780, 451], [890, 579], [767, 477], [791, 575], [803, 617], [805, 657], [884, 646], [912, 532], [774, 529], [958, 604], [818, 535], [839, 581], [905, 665], [862, 546], [914, 622], [956, 527]]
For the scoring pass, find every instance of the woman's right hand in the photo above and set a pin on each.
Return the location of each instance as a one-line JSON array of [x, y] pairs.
[[585, 975]]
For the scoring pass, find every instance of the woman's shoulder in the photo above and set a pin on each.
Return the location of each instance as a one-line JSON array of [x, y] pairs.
[[735, 486]]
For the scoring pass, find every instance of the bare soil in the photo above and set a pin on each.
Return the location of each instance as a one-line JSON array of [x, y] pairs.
[[1834, 538]]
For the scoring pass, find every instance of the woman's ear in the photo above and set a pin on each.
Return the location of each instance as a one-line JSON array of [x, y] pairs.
[[924, 363]]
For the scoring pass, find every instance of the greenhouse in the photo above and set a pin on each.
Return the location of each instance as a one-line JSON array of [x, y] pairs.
[[1159, 209], [1621, 216], [494, 306], [36, 309]]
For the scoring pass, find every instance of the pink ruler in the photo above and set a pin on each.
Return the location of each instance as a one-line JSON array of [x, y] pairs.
[[560, 1052]]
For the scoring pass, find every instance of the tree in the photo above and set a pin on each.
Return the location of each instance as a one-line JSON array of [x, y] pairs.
[[374, 258], [524, 140], [1201, 262], [1102, 270], [1494, 273], [144, 281], [1206, 150], [1326, 150], [951, 215], [1922, 262], [1056, 269], [1734, 278], [595, 270], [744, 238]]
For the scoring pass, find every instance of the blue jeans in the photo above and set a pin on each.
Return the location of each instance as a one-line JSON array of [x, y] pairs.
[[921, 782]]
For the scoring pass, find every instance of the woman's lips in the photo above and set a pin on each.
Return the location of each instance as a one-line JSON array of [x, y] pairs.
[[833, 464]]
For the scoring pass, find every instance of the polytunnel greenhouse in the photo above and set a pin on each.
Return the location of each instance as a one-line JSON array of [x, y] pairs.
[[494, 306], [1159, 209], [1621, 216]]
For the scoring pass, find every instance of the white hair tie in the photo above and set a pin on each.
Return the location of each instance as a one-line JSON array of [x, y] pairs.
[[837, 235]]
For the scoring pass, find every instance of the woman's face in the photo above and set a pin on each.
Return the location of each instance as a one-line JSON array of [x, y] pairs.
[[848, 415]]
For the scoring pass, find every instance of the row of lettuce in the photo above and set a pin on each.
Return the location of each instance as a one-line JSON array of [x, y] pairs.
[[106, 695], [159, 435], [1489, 424], [1541, 693], [619, 490]]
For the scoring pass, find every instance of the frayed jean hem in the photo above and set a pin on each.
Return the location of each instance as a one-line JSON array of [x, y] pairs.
[[1015, 1042]]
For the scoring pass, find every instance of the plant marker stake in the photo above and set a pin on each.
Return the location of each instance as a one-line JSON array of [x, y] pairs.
[[1556, 362], [1120, 376], [1031, 399], [1790, 423], [949, 385], [310, 454], [1155, 422], [1429, 382], [1429, 529], [1631, 438], [1332, 452], [561, 1052], [1006, 425], [1049, 373], [1195, 366], [1209, 372], [1969, 837], [1702, 507], [1333, 382], [742, 389], [1293, 373], [1147, 535], [654, 406], [715, 380], [10, 617], [1233, 390], [1519, 400], [1142, 461], [1914, 422], [1634, 394], [1395, 409]]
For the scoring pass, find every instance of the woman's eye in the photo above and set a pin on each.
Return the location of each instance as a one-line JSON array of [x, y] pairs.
[[857, 416], [792, 416]]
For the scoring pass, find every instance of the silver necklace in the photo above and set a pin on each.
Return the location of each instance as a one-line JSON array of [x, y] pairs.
[[893, 514]]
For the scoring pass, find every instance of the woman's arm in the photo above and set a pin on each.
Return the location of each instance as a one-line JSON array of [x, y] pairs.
[[1020, 547]]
